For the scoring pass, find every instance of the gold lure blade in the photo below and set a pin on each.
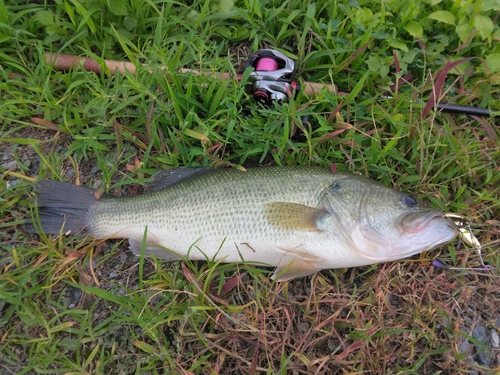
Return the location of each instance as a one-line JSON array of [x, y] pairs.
[[464, 228], [465, 232]]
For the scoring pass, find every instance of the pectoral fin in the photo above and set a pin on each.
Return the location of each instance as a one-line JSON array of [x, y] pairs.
[[288, 215], [302, 264]]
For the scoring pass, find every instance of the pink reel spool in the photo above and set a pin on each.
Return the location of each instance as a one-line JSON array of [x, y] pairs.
[[266, 64]]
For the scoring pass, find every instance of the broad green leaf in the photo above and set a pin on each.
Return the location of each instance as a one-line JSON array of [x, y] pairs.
[[118, 7], [129, 23], [463, 32], [374, 63], [484, 25], [45, 17], [493, 62], [226, 5], [399, 45], [443, 16], [490, 5], [384, 71], [415, 29], [409, 56], [192, 15], [364, 16]]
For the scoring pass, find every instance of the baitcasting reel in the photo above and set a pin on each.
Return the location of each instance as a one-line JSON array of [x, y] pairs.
[[272, 78]]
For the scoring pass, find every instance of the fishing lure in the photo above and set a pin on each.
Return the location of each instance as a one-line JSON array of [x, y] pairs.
[[465, 233]]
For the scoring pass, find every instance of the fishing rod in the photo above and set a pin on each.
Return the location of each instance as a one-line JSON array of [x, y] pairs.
[[272, 78], [67, 62]]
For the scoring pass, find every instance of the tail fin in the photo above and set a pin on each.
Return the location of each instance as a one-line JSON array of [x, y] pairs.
[[62, 207]]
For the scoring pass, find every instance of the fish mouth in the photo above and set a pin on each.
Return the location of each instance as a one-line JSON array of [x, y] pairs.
[[423, 231], [416, 222], [418, 231]]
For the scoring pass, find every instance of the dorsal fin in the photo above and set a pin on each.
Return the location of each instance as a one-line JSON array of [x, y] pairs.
[[167, 178]]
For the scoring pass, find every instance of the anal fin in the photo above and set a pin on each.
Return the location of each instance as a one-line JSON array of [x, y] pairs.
[[302, 264], [295, 268], [152, 250]]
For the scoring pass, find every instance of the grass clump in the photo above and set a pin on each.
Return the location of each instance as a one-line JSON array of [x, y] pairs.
[[85, 306]]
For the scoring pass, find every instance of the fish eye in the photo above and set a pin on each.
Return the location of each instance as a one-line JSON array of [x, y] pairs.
[[336, 186], [410, 200]]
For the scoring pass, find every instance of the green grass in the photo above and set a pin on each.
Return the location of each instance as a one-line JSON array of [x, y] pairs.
[[81, 306]]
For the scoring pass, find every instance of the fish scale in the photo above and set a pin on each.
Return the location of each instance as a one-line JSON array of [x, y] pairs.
[[298, 219], [190, 206]]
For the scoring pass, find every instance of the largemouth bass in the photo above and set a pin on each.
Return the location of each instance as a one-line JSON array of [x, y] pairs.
[[298, 219]]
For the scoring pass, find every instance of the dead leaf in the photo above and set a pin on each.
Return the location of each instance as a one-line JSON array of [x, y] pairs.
[[46, 124]]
